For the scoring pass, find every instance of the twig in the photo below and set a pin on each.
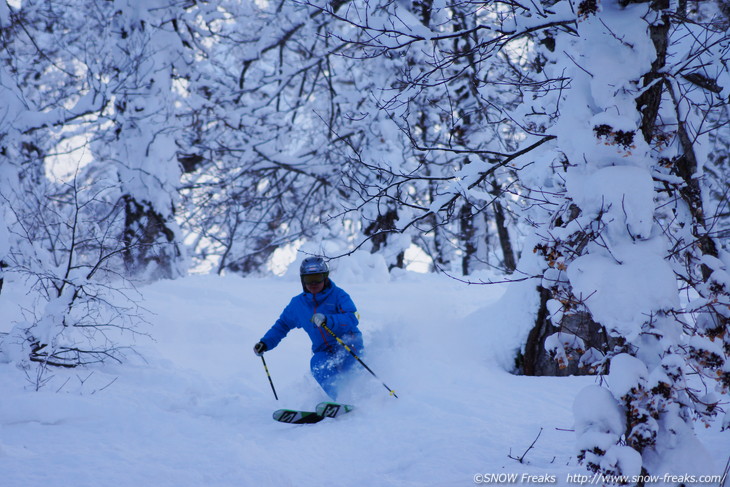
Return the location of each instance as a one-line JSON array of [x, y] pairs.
[[522, 458], [108, 385], [62, 385]]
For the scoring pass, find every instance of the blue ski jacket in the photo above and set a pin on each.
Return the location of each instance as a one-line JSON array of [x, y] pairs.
[[334, 303]]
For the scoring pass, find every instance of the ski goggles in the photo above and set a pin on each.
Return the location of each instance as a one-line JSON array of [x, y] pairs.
[[314, 278]]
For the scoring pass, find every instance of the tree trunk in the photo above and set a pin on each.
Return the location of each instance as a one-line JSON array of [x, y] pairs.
[[508, 255], [379, 230], [536, 361], [532, 360], [147, 239], [3, 266], [467, 236], [649, 101]]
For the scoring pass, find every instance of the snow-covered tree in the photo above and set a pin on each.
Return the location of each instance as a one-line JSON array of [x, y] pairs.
[[260, 114], [134, 71], [631, 229], [87, 191], [435, 174], [91, 81]]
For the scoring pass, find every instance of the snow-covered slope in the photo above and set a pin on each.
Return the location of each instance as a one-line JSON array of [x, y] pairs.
[[193, 407]]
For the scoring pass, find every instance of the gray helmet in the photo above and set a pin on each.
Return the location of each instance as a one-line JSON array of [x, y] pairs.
[[313, 265]]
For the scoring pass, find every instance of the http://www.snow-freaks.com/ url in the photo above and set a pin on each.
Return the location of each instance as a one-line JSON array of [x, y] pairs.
[[594, 479]]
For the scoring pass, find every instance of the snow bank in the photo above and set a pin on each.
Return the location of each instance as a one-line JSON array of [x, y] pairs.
[[501, 328]]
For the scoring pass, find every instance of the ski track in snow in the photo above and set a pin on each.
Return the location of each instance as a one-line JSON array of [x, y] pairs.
[[194, 407]]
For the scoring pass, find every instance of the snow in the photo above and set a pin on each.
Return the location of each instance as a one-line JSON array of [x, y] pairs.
[[594, 398], [680, 453], [623, 294], [193, 406], [560, 344], [622, 193], [626, 373]]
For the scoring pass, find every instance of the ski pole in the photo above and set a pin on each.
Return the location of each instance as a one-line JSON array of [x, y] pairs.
[[339, 340], [269, 376]]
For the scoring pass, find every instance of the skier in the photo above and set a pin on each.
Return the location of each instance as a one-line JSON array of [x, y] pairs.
[[321, 303]]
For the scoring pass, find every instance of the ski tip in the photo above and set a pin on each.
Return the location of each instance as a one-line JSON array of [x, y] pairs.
[[296, 417], [277, 415], [330, 409]]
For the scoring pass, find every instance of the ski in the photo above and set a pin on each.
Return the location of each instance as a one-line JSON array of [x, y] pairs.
[[323, 410]]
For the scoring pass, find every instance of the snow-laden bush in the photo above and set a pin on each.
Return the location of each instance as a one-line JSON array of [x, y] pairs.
[[65, 255]]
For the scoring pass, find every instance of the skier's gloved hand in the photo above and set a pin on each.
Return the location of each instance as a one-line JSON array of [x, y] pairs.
[[260, 348], [319, 319]]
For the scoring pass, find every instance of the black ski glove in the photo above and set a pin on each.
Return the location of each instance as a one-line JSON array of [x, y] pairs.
[[260, 348]]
